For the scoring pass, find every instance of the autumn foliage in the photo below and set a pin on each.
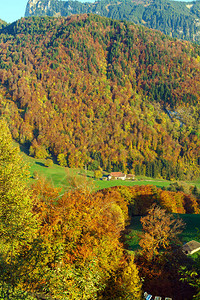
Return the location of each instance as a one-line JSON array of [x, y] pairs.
[[141, 198], [160, 257], [88, 90], [60, 244], [77, 254], [69, 244], [160, 230]]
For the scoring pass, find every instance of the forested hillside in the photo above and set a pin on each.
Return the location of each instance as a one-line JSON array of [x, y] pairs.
[[89, 91], [177, 19]]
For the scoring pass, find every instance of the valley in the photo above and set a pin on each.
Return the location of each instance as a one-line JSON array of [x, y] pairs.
[[82, 96]]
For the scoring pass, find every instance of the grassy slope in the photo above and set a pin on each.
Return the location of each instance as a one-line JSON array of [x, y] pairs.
[[57, 175], [139, 181]]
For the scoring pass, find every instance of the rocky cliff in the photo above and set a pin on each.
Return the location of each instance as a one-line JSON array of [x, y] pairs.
[[177, 19]]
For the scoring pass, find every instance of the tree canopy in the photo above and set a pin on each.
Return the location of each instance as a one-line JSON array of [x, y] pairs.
[[91, 91]]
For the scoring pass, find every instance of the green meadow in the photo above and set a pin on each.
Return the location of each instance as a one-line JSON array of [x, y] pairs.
[[139, 181], [58, 175]]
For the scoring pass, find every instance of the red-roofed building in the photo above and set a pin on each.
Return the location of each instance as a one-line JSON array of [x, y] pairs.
[[117, 175]]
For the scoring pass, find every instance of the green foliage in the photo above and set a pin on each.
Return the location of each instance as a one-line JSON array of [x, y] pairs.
[[49, 162], [15, 212], [191, 275], [190, 272], [62, 160], [98, 174]]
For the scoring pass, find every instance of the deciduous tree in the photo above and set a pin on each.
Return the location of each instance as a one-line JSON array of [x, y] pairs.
[[160, 231], [17, 223]]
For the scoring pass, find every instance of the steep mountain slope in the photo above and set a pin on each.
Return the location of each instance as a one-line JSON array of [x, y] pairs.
[[177, 19], [88, 90]]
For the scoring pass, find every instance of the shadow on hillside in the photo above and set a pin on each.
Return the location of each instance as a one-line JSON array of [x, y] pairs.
[[40, 164], [24, 149], [86, 175]]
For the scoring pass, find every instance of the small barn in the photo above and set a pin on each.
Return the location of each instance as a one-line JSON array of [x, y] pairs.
[[191, 247], [130, 177]]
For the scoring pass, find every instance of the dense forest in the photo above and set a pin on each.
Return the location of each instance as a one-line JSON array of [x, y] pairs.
[[90, 91], [72, 245], [178, 19]]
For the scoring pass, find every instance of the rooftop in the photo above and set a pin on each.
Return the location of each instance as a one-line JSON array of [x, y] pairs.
[[191, 247]]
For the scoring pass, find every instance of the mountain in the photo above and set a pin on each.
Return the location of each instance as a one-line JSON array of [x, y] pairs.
[[2, 23], [177, 19], [91, 91]]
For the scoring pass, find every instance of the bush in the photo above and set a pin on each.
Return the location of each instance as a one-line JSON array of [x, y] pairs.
[[48, 162]]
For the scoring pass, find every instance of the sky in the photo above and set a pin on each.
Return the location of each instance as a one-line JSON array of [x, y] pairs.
[[12, 10]]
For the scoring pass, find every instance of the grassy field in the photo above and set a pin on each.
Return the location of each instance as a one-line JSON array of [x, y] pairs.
[[189, 233], [192, 226], [57, 175], [139, 181]]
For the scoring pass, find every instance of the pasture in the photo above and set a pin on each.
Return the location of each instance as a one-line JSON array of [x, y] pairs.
[[58, 175]]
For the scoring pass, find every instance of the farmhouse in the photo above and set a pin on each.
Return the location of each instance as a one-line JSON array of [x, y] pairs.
[[121, 176], [191, 247], [117, 175]]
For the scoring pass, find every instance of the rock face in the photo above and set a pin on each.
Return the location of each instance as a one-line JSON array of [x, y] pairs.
[[38, 7], [177, 19], [30, 7]]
